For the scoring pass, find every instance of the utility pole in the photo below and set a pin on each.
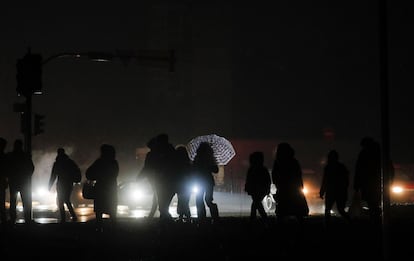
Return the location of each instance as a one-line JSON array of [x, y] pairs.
[[385, 133]]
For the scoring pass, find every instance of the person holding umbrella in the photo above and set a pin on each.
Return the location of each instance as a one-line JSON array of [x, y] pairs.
[[204, 165]]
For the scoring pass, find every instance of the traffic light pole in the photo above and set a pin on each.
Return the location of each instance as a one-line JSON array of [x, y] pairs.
[[29, 74], [28, 122]]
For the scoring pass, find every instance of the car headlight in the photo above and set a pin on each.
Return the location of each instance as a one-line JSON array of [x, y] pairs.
[[397, 189], [136, 194], [195, 189], [305, 190]]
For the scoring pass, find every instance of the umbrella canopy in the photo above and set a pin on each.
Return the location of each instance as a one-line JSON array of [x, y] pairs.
[[223, 149]]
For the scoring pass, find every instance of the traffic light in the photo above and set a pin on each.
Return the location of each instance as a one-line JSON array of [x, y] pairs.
[[39, 124], [29, 75]]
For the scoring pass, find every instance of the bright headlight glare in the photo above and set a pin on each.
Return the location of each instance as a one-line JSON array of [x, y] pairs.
[[195, 189], [397, 189], [136, 194], [42, 192]]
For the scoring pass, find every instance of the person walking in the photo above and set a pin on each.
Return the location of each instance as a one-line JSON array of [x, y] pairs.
[[287, 177], [66, 172], [183, 176], [367, 179], [204, 166], [21, 169], [149, 172], [257, 184], [334, 187], [104, 171], [159, 168], [291, 205]]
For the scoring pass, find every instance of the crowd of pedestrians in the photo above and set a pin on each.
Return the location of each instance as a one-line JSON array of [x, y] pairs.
[[169, 170]]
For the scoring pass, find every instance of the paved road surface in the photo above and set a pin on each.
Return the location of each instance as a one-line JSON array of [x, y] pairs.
[[234, 238]]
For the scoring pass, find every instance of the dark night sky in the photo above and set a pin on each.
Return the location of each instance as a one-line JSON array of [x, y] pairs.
[[283, 71]]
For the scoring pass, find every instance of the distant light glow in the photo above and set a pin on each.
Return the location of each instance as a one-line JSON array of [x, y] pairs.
[[397, 189], [100, 60], [84, 211], [122, 209], [305, 190], [137, 213]]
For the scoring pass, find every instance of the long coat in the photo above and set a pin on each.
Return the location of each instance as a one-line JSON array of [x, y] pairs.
[[105, 173], [287, 177]]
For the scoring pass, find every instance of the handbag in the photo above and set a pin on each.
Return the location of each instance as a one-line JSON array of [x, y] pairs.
[[88, 189]]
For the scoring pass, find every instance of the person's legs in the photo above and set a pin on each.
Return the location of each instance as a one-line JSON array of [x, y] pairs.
[[99, 220], [113, 217], [186, 204], [253, 210], [340, 205], [71, 209], [61, 207], [211, 205], [257, 200], [201, 208], [26, 194], [183, 208], [13, 204], [154, 204], [374, 211], [329, 201], [164, 199], [3, 216]]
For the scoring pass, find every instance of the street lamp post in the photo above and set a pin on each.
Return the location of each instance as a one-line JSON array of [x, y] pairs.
[[29, 75]]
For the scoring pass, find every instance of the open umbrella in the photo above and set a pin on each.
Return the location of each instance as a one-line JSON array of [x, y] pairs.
[[223, 149]]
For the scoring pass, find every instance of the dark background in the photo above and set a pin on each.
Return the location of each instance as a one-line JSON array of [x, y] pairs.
[[277, 71]]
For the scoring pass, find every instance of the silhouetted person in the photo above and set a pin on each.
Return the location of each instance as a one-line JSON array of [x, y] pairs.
[[3, 180], [20, 180], [204, 165], [149, 172], [367, 179], [105, 172], [160, 165], [66, 171], [257, 184], [287, 177], [334, 187], [166, 183], [183, 176]]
